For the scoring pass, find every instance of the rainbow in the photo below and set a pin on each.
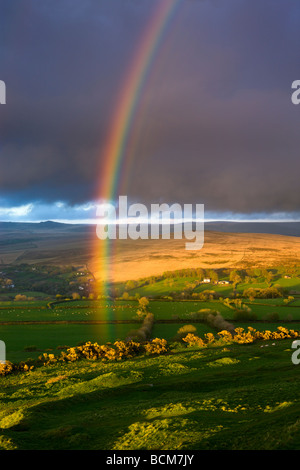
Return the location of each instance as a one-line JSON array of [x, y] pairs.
[[127, 105], [114, 155]]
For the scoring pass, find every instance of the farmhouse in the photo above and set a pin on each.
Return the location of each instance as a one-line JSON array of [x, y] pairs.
[[223, 282], [207, 280]]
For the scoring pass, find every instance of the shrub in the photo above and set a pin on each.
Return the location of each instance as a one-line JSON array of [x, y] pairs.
[[209, 337], [128, 349], [30, 348], [6, 368], [202, 314], [156, 346], [144, 332], [184, 331], [244, 315], [20, 297], [193, 340], [225, 335], [272, 317]]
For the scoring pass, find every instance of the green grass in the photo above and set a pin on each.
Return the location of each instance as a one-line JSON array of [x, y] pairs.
[[164, 287], [50, 336], [255, 285], [168, 331], [172, 309], [283, 311], [240, 397], [68, 311], [276, 301], [237, 397], [177, 285], [23, 303], [293, 283], [35, 294], [224, 291]]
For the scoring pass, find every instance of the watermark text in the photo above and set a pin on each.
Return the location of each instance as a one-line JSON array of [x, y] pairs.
[[164, 221], [2, 92]]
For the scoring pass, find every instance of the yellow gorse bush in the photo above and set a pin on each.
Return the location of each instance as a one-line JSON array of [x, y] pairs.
[[194, 340], [241, 336], [157, 346], [118, 351], [9, 367]]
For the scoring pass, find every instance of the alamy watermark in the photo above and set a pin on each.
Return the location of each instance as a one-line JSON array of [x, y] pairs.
[[295, 97], [295, 358], [2, 352], [164, 221], [2, 92]]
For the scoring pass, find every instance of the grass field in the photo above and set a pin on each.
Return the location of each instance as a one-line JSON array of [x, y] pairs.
[[239, 397], [49, 337], [191, 398], [168, 331], [36, 326], [173, 309], [283, 311]]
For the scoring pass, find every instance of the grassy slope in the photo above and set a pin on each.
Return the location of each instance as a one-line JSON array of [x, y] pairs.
[[244, 397]]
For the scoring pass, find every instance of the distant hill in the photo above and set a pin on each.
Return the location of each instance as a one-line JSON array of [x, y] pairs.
[[291, 229], [47, 226], [226, 244]]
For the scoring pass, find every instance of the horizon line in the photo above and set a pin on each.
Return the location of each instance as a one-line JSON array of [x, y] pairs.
[[97, 221]]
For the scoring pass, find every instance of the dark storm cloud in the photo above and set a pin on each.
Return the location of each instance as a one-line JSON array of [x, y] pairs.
[[217, 125]]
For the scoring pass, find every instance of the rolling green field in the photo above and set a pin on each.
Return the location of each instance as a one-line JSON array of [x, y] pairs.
[[177, 309], [30, 341], [190, 398], [35, 326], [242, 397], [165, 287]]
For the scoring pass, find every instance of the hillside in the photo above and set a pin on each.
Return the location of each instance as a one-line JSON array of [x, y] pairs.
[[137, 259], [77, 245], [238, 397]]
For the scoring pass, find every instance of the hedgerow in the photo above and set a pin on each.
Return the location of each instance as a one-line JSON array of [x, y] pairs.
[[121, 350], [241, 336]]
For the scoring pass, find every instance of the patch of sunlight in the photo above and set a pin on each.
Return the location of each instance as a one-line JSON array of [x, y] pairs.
[[219, 405], [279, 406], [224, 361], [170, 434], [171, 409], [103, 381], [7, 444], [175, 368], [11, 420]]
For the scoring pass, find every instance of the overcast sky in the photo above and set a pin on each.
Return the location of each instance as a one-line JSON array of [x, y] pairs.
[[216, 122]]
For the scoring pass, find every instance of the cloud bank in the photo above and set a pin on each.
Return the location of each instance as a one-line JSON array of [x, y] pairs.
[[216, 123]]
